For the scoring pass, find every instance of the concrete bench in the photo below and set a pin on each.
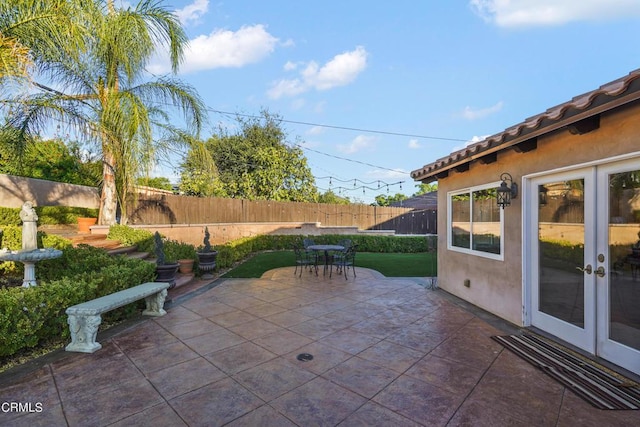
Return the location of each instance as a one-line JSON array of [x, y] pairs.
[[84, 319]]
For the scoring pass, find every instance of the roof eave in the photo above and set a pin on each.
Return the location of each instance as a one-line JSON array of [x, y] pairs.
[[568, 114]]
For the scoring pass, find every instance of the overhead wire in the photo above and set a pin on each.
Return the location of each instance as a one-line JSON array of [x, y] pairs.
[[231, 114], [226, 113], [345, 127]]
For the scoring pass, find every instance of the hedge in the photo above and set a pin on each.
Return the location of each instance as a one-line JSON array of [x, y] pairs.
[[237, 250], [48, 215], [129, 236], [31, 316]]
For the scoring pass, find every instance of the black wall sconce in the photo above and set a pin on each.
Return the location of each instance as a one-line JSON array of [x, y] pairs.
[[506, 192]]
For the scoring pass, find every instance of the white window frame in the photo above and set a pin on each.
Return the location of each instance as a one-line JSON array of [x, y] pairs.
[[470, 251]]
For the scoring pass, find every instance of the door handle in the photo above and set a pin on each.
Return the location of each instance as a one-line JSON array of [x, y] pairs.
[[600, 271], [587, 269]]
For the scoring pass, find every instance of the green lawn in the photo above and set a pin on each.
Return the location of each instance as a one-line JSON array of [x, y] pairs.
[[422, 264]]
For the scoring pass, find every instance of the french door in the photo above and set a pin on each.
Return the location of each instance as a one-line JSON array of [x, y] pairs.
[[584, 273]]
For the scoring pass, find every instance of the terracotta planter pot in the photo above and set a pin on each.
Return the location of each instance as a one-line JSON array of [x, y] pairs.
[[167, 273], [85, 223], [186, 266]]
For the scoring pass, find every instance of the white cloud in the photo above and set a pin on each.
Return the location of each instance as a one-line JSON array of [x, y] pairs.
[[413, 144], [359, 143], [316, 130], [287, 87], [339, 71], [473, 140], [192, 12], [388, 175], [474, 114], [223, 49], [290, 66], [477, 138], [529, 13]]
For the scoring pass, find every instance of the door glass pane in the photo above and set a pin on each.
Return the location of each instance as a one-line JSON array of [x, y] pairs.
[[624, 258], [486, 221], [461, 220], [561, 250]]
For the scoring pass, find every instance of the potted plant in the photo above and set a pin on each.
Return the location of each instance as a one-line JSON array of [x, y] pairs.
[[166, 268], [183, 253], [186, 265], [206, 256], [84, 224]]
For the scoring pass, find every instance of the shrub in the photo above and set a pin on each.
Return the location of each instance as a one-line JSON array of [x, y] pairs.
[[48, 215], [29, 316], [175, 250], [11, 238], [234, 251], [142, 239]]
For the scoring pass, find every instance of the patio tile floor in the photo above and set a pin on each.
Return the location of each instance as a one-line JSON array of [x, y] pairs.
[[387, 352]]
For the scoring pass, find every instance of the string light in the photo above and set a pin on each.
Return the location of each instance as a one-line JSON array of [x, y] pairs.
[[364, 183]]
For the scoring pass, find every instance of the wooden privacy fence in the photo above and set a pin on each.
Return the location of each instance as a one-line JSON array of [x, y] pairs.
[[177, 209], [418, 221]]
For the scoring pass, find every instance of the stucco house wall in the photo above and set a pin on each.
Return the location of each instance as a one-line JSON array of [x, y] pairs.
[[497, 285]]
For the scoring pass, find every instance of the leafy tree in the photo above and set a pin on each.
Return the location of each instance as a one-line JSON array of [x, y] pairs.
[[159, 182], [52, 160], [332, 198], [426, 188], [256, 163], [200, 175], [105, 97], [382, 200]]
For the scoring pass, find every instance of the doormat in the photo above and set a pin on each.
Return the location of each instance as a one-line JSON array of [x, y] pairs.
[[592, 383]]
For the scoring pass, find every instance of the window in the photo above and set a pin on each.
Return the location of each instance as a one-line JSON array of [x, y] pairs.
[[475, 221]]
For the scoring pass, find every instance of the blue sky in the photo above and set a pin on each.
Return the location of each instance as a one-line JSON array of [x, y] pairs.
[[441, 73]]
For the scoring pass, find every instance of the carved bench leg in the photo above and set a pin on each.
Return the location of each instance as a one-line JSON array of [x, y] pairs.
[[155, 304], [83, 333]]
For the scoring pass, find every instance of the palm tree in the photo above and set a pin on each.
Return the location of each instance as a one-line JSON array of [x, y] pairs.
[[103, 95], [33, 30]]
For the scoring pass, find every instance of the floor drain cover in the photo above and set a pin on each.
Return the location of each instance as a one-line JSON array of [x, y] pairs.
[[305, 357]]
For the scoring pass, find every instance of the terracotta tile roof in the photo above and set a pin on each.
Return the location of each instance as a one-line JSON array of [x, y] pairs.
[[607, 97]]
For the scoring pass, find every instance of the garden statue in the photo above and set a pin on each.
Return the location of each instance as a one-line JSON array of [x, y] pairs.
[[29, 227]]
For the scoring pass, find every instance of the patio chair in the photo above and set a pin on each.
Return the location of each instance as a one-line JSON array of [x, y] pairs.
[[346, 260], [306, 242], [303, 260], [346, 243]]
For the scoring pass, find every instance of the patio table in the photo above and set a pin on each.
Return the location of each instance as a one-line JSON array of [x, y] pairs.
[[326, 249]]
